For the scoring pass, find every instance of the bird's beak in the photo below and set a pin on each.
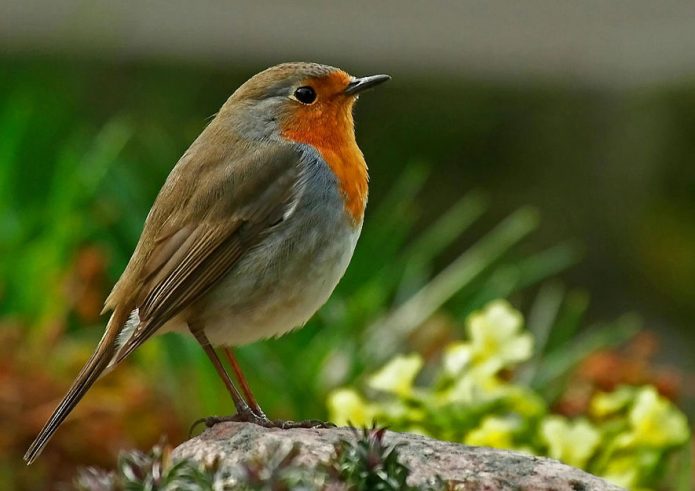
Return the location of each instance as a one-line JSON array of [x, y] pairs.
[[358, 85]]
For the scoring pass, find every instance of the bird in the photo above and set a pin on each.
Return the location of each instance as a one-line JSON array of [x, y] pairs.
[[250, 233]]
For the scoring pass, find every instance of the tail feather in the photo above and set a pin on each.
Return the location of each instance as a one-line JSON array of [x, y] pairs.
[[97, 363]]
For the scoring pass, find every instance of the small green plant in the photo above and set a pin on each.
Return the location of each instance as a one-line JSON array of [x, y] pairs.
[[369, 463], [139, 471], [626, 436], [278, 470]]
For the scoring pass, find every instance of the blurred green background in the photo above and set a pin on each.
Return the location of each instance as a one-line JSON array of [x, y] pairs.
[[561, 178]]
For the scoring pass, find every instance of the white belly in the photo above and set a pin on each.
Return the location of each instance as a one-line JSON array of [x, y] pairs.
[[263, 298]]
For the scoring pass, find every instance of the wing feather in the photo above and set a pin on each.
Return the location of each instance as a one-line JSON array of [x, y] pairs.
[[200, 256]]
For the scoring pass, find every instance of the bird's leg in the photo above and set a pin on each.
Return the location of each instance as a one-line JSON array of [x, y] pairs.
[[243, 411], [256, 408], [250, 398], [246, 411]]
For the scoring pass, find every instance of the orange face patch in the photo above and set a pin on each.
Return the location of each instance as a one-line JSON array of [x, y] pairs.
[[328, 126]]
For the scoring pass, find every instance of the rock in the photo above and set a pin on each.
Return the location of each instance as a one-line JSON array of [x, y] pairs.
[[469, 468]]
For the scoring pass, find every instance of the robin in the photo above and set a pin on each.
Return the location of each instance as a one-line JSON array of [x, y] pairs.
[[250, 233]]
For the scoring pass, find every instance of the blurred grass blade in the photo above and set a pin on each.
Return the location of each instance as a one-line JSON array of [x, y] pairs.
[[411, 267], [447, 228], [541, 320], [544, 312], [385, 337], [510, 278], [386, 230], [547, 263], [416, 260], [569, 320], [558, 364], [78, 175], [408, 183]]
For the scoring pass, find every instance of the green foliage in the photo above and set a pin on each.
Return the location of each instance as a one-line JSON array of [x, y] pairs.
[[627, 435], [369, 463], [278, 471]]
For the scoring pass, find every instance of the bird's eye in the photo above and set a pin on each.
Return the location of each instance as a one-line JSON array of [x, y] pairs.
[[305, 95]]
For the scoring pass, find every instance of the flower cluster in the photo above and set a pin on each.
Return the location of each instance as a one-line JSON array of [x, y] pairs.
[[626, 435]]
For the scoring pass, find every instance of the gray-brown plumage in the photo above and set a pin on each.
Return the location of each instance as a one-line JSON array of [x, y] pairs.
[[250, 232]]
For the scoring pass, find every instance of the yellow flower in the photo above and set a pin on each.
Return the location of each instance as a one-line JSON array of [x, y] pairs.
[[494, 432], [346, 406], [571, 442], [395, 409], [655, 421], [608, 403], [397, 376], [521, 400], [622, 471], [457, 357], [475, 385], [496, 340]]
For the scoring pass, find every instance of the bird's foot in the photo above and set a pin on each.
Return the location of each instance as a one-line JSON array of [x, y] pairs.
[[246, 415], [307, 423], [261, 420], [240, 417], [268, 423]]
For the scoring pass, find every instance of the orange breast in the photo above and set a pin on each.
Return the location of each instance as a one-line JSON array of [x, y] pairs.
[[328, 126], [351, 171]]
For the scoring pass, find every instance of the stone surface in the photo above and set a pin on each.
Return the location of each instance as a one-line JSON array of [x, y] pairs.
[[472, 468]]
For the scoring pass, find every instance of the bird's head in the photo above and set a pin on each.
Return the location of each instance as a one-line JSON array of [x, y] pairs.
[[302, 102]]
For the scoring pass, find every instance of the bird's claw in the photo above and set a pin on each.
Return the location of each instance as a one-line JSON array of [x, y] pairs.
[[263, 421], [308, 423]]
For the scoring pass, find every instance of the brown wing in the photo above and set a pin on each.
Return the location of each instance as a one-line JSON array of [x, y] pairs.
[[237, 203], [219, 200]]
